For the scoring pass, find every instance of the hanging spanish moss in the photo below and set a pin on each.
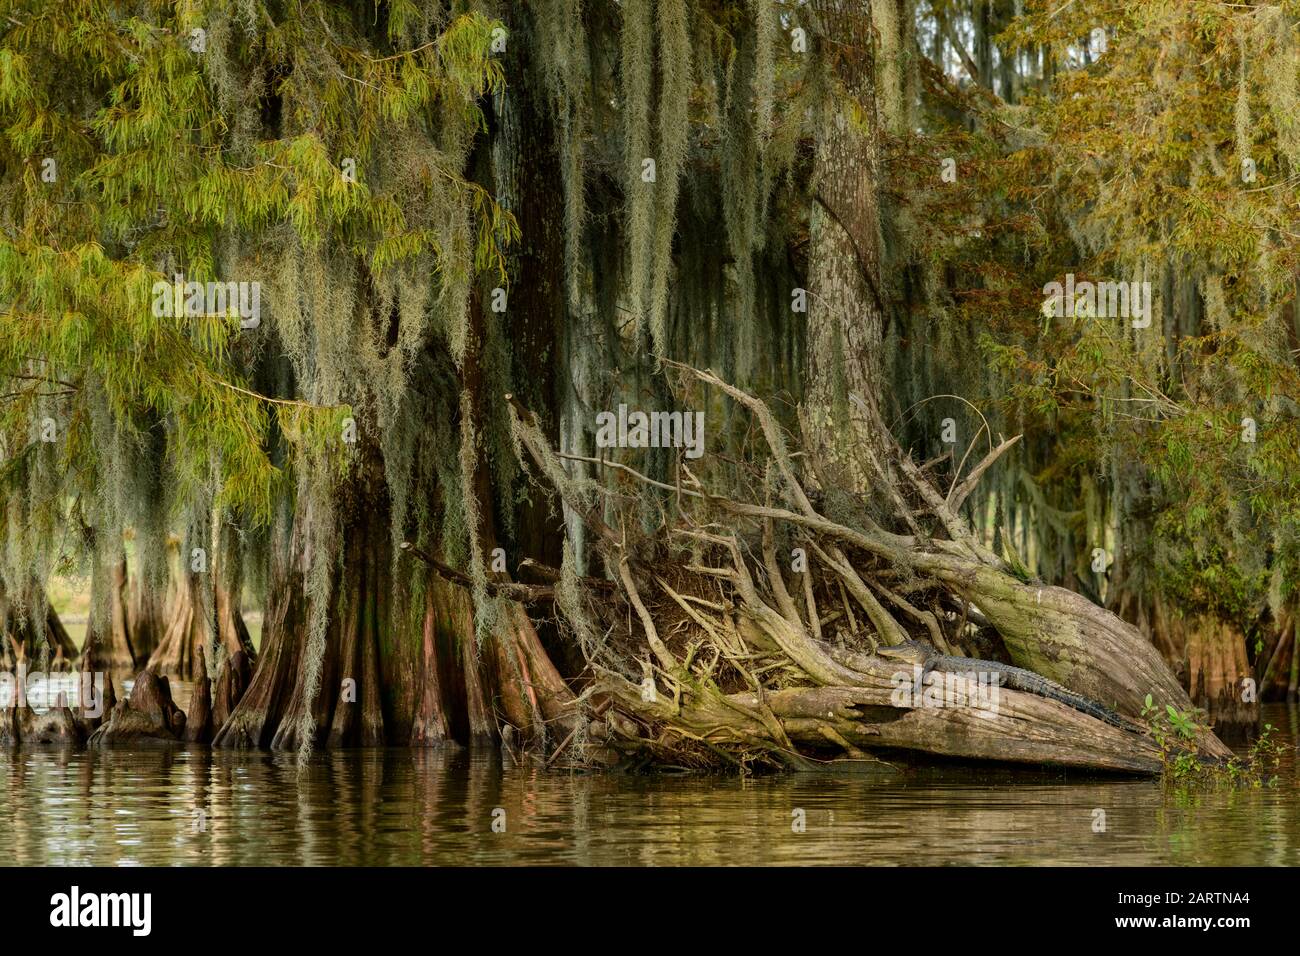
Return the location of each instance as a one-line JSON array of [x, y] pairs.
[[471, 233]]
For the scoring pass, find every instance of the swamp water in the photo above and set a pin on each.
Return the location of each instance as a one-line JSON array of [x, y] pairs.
[[400, 806]]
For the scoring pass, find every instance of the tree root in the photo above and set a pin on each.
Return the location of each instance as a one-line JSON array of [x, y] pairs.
[[737, 667]]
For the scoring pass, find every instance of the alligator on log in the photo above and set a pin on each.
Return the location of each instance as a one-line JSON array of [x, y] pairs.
[[926, 660]]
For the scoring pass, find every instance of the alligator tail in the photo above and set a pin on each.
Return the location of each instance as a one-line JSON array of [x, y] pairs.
[[1017, 678]]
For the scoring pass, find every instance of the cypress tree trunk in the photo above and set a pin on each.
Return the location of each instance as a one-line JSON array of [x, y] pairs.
[[257, 715], [187, 629], [293, 703], [147, 616], [527, 172], [1217, 667], [191, 621], [108, 634], [58, 638], [525, 687], [432, 722], [846, 312], [384, 677], [19, 635], [1293, 685]]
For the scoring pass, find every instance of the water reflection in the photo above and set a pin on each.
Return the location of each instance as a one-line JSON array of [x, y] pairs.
[[417, 807]]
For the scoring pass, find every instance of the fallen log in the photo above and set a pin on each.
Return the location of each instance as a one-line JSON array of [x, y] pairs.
[[877, 713], [1064, 636], [1025, 729]]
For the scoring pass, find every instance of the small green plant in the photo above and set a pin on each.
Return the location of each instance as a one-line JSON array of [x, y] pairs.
[[1262, 760], [1182, 723], [1175, 732]]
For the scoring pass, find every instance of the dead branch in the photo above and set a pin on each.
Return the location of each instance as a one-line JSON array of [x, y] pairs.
[[524, 593]]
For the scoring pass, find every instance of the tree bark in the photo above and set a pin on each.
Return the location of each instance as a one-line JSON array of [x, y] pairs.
[[108, 643], [846, 311], [256, 716], [198, 721], [232, 680], [19, 638], [432, 725], [147, 615], [1217, 668], [190, 619]]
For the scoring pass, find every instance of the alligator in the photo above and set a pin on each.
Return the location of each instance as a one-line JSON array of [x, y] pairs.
[[923, 655]]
